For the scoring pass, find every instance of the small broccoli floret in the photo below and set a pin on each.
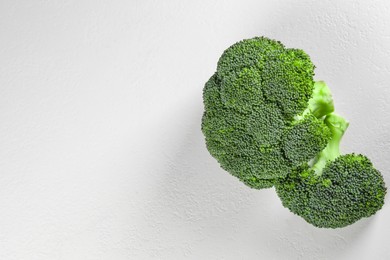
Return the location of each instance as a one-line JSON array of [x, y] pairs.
[[338, 189], [258, 117], [349, 189], [261, 70], [305, 139], [352, 189]]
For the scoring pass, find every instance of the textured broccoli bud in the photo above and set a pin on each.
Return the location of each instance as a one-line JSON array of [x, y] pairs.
[[338, 189], [348, 189], [305, 139], [254, 104]]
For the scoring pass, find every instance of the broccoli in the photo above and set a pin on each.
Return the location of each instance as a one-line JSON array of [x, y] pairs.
[[333, 190], [257, 109], [268, 123]]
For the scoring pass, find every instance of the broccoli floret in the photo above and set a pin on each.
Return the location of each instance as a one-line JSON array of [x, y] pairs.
[[268, 123], [337, 190], [258, 111], [305, 139]]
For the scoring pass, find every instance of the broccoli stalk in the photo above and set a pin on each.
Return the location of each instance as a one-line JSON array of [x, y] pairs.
[[321, 102], [337, 125], [321, 105]]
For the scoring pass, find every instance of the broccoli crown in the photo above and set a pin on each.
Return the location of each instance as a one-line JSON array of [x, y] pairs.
[[348, 189], [335, 190], [258, 122], [269, 124]]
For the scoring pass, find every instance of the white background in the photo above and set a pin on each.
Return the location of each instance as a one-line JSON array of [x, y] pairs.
[[101, 153]]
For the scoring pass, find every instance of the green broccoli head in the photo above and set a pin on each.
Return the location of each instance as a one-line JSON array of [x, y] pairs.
[[268, 123], [260, 70], [336, 190], [258, 121], [348, 189]]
